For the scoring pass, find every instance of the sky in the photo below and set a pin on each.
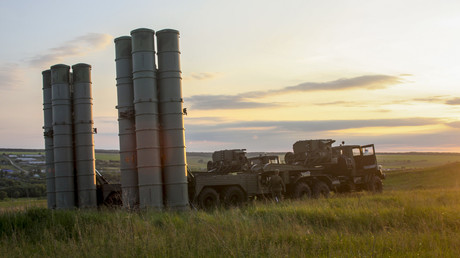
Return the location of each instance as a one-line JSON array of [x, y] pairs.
[[258, 75]]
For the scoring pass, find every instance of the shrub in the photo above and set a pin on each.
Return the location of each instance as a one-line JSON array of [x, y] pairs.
[[3, 195]]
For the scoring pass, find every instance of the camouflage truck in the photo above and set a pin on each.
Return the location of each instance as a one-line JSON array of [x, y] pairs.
[[314, 169]]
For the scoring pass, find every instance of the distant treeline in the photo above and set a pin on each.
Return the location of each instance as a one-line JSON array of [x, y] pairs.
[[15, 189]]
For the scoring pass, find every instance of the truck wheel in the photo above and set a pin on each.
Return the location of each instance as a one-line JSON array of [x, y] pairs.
[[113, 200], [302, 190], [289, 158], [375, 185], [320, 189], [208, 198], [234, 196]]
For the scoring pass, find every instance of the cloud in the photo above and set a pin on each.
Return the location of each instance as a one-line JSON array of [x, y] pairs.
[[383, 110], [203, 120], [311, 126], [442, 99], [454, 101], [334, 103], [440, 141], [359, 104], [368, 82], [245, 100], [201, 76], [280, 135], [430, 99], [209, 102], [454, 124], [10, 76], [78, 46]]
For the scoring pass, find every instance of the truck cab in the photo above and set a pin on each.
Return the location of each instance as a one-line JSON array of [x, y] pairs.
[[257, 164], [360, 160], [357, 168]]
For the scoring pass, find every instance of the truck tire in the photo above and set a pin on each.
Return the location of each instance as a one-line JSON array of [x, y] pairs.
[[302, 190], [113, 200], [289, 158], [375, 185], [234, 196], [320, 189], [208, 198]]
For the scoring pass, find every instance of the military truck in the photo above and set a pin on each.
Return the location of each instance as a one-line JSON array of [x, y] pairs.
[[313, 169]]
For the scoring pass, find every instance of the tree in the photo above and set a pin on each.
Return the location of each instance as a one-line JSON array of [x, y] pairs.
[[3, 195], [16, 194]]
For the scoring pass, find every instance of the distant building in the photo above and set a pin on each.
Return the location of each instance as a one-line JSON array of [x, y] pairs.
[[26, 159], [37, 162], [32, 156], [12, 156]]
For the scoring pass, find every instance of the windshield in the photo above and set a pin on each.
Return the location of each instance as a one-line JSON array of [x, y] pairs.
[[367, 151]]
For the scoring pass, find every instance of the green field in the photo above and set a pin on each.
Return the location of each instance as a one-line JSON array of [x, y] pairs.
[[416, 160], [22, 204], [417, 215]]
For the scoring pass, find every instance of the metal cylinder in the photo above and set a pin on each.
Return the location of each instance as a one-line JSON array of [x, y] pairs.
[[126, 122], [147, 125], [171, 119], [83, 135], [62, 137], [48, 134]]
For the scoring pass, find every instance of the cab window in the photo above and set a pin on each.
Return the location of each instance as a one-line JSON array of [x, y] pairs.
[[356, 152], [367, 151]]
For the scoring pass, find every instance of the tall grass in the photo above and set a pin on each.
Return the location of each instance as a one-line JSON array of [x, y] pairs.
[[21, 203], [421, 222], [405, 221]]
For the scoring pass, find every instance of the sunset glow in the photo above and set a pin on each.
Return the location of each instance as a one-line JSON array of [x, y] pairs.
[[257, 75]]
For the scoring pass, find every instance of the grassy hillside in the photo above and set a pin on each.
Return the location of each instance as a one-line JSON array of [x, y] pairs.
[[417, 215], [416, 160], [433, 178]]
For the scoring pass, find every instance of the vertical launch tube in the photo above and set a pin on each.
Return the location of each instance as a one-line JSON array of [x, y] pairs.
[[147, 126], [126, 122], [62, 137], [84, 139], [171, 120], [48, 133]]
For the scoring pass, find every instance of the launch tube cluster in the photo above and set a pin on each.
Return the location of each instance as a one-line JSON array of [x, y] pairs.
[[69, 141], [150, 118]]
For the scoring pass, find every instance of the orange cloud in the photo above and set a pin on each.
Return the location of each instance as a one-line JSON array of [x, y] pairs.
[[79, 46]]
